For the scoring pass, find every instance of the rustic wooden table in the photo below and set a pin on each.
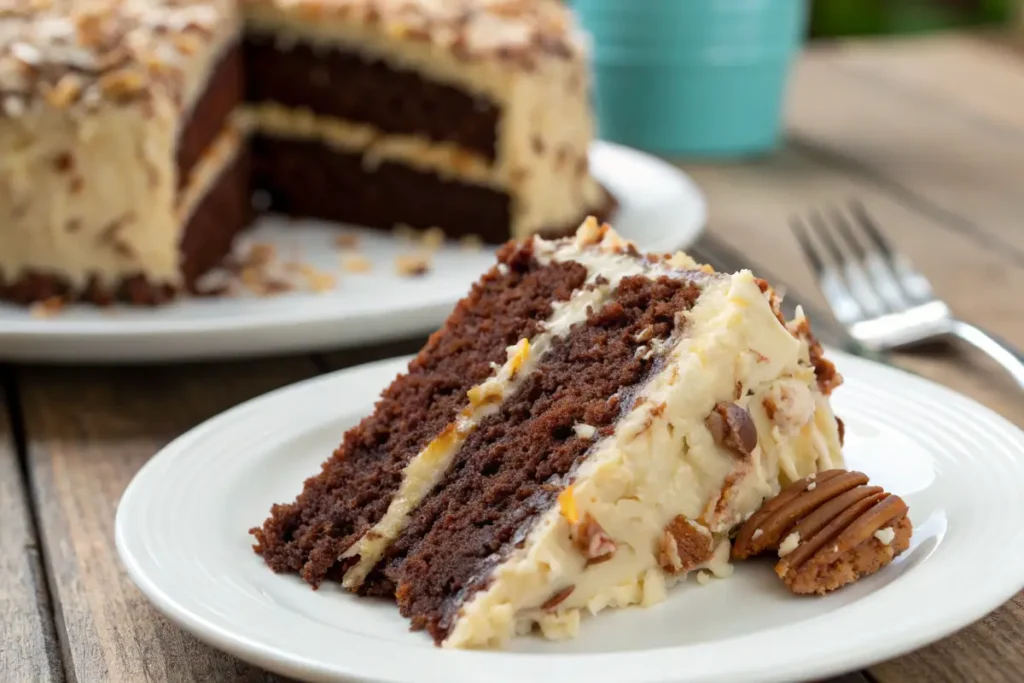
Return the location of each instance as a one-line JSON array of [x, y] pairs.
[[928, 133]]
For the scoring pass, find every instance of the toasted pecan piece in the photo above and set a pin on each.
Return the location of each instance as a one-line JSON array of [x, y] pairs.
[[592, 541], [829, 530], [732, 427], [682, 547]]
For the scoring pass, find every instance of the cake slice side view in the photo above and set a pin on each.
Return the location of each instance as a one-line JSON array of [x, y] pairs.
[[624, 438]]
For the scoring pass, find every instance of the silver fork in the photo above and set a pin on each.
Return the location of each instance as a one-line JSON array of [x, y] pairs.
[[877, 295]]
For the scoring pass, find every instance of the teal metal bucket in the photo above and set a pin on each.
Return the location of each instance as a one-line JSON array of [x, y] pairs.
[[692, 77]]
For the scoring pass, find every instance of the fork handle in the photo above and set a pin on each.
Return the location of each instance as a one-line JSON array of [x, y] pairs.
[[1000, 351]]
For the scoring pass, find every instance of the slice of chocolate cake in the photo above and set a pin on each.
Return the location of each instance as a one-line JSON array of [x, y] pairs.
[[588, 427], [122, 172], [469, 115]]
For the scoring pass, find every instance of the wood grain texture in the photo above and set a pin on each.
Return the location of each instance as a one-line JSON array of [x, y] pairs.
[[990, 651], [936, 141], [28, 644], [89, 431]]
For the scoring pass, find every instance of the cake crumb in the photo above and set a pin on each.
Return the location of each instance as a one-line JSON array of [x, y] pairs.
[[405, 232], [261, 254], [412, 265], [432, 239], [47, 308], [703, 577], [316, 279], [471, 243], [347, 240], [357, 264], [813, 485]]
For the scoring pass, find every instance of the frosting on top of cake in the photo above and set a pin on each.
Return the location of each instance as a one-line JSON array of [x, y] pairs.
[[516, 32], [80, 53]]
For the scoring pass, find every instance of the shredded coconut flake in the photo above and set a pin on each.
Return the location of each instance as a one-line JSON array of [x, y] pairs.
[[789, 544], [885, 535]]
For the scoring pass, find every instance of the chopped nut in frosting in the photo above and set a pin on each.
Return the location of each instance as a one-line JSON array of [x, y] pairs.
[[557, 599], [592, 541], [731, 427], [683, 546]]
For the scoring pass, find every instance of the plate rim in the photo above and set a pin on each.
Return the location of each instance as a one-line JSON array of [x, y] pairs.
[[206, 330], [993, 593]]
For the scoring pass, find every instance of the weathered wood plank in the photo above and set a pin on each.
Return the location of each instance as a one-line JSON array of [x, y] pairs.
[[28, 643], [925, 146], [88, 432]]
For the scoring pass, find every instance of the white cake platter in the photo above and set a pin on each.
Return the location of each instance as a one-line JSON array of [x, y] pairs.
[[660, 209]]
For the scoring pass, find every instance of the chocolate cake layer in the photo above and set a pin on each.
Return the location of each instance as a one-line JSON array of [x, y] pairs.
[[511, 469], [305, 178], [35, 286], [225, 91], [221, 214], [357, 483], [347, 85]]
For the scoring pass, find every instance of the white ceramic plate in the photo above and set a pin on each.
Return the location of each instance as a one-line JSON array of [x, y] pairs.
[[659, 208], [181, 532]]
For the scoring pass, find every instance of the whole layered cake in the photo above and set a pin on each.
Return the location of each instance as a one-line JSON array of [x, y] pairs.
[[134, 132], [590, 426]]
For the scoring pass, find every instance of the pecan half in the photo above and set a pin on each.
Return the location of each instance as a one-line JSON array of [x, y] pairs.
[[682, 547], [829, 530], [592, 541], [732, 427]]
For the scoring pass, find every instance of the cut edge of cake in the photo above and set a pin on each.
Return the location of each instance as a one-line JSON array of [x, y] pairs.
[[718, 416]]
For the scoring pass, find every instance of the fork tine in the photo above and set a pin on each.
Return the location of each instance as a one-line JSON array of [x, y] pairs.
[[913, 287], [825, 235], [847, 233], [857, 279], [879, 274], [810, 252], [843, 304], [866, 222]]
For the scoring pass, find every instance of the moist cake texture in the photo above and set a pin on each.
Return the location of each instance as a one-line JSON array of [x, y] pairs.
[[586, 447], [134, 132]]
